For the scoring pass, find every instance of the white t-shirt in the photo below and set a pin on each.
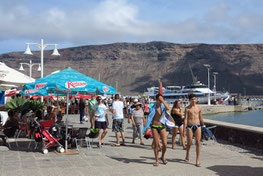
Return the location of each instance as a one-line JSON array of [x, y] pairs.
[[100, 112], [118, 107]]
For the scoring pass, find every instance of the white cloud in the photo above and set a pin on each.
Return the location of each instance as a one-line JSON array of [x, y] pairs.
[[119, 20]]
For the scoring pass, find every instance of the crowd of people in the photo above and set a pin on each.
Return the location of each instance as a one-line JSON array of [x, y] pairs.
[[138, 112]]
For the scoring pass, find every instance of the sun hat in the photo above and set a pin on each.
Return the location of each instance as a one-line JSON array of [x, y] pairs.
[[138, 104]]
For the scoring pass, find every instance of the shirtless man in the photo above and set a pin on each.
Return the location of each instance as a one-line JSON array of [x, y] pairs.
[[192, 122], [158, 129]]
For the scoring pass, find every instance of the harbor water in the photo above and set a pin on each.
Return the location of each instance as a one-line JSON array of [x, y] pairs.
[[253, 118]]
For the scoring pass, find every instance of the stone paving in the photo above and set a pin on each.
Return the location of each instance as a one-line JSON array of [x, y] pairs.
[[133, 159]]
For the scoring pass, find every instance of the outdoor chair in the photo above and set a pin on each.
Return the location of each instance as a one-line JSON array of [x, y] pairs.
[[23, 127], [80, 136], [9, 133], [94, 133]]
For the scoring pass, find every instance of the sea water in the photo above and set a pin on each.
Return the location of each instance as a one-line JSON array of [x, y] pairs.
[[253, 118]]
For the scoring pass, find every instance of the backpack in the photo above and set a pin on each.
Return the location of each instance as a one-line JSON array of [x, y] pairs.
[[94, 133], [206, 133], [37, 136]]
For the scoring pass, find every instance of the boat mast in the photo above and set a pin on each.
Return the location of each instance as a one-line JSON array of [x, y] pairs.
[[195, 80]]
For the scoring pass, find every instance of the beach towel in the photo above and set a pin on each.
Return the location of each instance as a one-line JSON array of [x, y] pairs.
[[165, 118]]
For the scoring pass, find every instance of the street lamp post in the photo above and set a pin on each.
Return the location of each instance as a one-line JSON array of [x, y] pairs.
[[116, 85], [214, 74], [30, 67], [208, 82], [42, 46]]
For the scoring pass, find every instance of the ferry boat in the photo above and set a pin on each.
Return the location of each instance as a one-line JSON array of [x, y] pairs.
[[173, 93]]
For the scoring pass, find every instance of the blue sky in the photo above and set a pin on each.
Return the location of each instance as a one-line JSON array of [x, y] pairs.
[[71, 23]]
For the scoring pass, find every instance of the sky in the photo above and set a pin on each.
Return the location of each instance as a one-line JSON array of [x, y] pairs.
[[71, 23]]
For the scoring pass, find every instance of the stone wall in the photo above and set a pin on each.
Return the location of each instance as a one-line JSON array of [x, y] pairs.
[[222, 108], [238, 134]]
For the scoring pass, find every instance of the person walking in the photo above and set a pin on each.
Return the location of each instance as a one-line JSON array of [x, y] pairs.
[[117, 123], [177, 115], [101, 119], [91, 104], [138, 122], [82, 106], [192, 123], [158, 129]]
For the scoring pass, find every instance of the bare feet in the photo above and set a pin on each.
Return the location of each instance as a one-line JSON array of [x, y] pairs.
[[173, 147], [187, 159], [156, 164]]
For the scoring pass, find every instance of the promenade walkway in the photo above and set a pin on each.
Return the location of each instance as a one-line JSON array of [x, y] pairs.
[[133, 159]]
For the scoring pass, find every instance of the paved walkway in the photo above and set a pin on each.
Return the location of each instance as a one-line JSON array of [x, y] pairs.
[[133, 159]]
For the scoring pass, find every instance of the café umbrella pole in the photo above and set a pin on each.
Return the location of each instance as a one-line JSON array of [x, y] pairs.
[[66, 142]]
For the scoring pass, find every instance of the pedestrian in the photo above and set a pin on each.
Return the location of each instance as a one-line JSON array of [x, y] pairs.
[[131, 107], [117, 123], [159, 129], [177, 115], [192, 123], [138, 122], [91, 104], [82, 106], [101, 119]]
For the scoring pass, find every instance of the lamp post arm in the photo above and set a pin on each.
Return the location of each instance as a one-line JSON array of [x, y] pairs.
[[36, 44], [49, 45], [25, 64]]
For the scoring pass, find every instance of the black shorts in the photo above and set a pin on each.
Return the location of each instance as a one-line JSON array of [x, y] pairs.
[[100, 125]]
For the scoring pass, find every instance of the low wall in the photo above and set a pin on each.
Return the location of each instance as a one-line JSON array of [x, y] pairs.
[[214, 109], [238, 134]]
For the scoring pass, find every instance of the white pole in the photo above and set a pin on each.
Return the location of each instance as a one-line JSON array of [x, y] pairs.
[[30, 68], [42, 57], [116, 86], [66, 142], [209, 101], [42, 62]]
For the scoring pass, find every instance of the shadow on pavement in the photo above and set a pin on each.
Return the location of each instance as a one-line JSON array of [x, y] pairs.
[[236, 170], [176, 160], [129, 160]]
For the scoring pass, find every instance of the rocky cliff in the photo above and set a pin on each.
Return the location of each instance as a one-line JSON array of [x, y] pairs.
[[132, 67]]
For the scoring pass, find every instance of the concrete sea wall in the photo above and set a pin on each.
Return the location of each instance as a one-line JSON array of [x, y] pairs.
[[214, 109], [237, 134]]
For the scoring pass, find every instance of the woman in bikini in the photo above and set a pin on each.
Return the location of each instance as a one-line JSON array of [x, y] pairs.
[[177, 115]]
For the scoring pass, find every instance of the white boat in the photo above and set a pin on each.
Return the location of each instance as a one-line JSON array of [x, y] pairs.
[[173, 93]]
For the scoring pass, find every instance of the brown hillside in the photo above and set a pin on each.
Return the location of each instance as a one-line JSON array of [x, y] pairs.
[[136, 66]]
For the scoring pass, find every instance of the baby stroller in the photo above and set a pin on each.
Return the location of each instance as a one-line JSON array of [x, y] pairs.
[[43, 136]]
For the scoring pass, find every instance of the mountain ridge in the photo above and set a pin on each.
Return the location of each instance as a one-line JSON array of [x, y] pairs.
[[132, 67]]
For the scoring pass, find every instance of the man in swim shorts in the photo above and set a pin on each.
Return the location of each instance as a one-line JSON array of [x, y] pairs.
[[158, 129], [192, 123]]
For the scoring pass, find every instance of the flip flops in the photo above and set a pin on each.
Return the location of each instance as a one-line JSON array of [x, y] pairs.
[[198, 165], [164, 161], [156, 164]]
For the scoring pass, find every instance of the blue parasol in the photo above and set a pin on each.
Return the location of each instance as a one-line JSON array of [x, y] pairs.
[[65, 82]]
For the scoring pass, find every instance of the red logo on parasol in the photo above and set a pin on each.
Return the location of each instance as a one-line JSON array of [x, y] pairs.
[[31, 91], [105, 89], [75, 84], [40, 85]]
